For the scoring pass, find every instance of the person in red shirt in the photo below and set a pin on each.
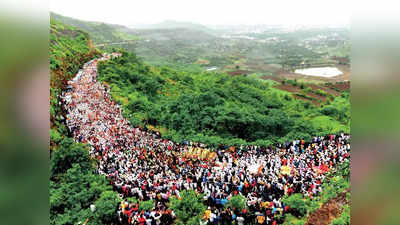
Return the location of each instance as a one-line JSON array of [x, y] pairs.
[[142, 220]]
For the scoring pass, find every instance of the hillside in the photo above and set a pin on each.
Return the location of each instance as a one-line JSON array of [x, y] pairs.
[[99, 32], [214, 108]]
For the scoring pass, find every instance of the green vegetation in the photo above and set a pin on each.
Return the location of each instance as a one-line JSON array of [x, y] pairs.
[[75, 185], [344, 218], [339, 108], [210, 107], [99, 32], [189, 209], [321, 92], [297, 203], [292, 220], [146, 205], [337, 182], [237, 202]]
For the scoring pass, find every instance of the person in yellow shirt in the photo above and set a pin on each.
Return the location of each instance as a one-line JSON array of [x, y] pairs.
[[207, 214]]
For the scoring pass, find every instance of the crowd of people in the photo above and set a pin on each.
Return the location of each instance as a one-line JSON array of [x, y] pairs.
[[140, 163]]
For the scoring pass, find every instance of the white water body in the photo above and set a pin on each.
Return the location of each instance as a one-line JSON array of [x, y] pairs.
[[320, 71]]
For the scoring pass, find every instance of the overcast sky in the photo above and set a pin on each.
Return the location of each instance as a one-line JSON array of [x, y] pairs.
[[212, 12]]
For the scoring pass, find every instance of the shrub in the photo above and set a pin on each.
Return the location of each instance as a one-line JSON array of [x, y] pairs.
[[237, 201], [291, 220], [67, 154], [55, 136], [308, 90], [189, 209], [344, 218], [106, 207], [146, 205], [321, 92], [296, 203]]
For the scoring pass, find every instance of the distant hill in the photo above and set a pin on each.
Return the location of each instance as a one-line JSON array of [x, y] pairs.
[[98, 31], [185, 35], [171, 24]]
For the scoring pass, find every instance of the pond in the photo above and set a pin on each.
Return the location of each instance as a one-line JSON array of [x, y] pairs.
[[212, 68], [320, 71]]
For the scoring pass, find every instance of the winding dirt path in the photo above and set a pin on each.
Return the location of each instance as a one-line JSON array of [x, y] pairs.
[[329, 211]]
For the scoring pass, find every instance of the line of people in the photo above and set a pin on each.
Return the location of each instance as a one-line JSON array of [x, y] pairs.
[[141, 164]]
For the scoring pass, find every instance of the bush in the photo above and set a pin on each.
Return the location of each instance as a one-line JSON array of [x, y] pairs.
[[132, 200], [67, 154], [106, 207], [237, 202], [321, 92], [291, 220], [308, 90], [296, 203], [146, 205], [344, 218], [55, 136], [189, 209]]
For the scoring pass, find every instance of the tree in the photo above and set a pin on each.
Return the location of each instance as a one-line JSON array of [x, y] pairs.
[[297, 204], [106, 207], [74, 186], [189, 209], [237, 202], [72, 195], [146, 205], [67, 154]]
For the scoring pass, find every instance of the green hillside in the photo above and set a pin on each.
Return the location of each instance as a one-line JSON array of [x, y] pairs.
[[214, 107], [99, 32]]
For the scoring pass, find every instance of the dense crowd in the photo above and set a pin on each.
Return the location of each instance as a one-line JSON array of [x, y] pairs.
[[140, 163]]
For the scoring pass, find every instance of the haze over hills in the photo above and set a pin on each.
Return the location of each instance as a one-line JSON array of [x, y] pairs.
[[171, 24]]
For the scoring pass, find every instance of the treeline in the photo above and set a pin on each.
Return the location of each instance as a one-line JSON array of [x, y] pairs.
[[209, 107], [75, 186]]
